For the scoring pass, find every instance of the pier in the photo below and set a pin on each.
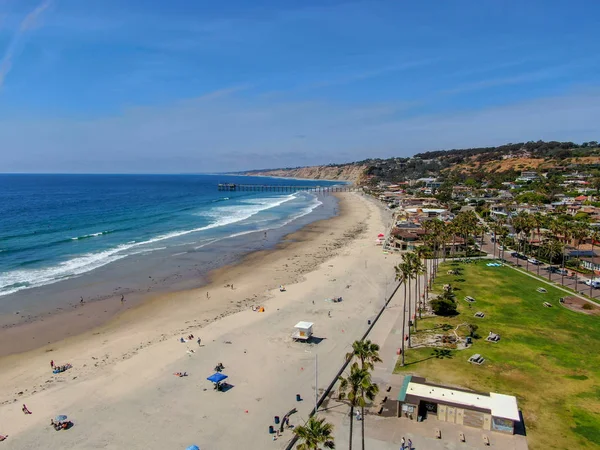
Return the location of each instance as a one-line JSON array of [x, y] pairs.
[[281, 188]]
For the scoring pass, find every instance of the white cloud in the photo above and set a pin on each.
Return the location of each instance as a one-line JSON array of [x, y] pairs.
[[225, 131]]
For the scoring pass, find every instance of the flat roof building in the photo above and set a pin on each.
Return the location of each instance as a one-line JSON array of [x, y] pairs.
[[420, 400]]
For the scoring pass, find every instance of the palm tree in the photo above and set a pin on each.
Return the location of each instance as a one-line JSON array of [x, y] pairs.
[[367, 391], [356, 387], [594, 236], [537, 221], [402, 270], [366, 352], [496, 227], [418, 270], [579, 232], [551, 250], [410, 261], [313, 433], [423, 253]]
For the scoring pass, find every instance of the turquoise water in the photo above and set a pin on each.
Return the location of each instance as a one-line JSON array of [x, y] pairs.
[[58, 227]]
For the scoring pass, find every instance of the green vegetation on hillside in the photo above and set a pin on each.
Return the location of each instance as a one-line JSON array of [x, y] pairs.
[[549, 358]]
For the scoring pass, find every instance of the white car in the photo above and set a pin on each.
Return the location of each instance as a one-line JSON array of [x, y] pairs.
[[534, 261], [594, 283]]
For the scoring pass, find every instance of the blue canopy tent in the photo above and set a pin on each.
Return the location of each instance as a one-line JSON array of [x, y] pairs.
[[217, 377], [193, 447]]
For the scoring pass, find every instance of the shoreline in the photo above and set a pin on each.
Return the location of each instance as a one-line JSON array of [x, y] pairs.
[[102, 305], [121, 383], [53, 327]]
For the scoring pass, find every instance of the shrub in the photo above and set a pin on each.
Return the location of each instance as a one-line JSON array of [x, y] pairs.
[[444, 306]]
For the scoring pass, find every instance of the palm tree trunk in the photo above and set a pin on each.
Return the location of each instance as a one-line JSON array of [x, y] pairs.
[[593, 272], [426, 282], [362, 425], [351, 424], [417, 302], [562, 273], [403, 323], [409, 309]]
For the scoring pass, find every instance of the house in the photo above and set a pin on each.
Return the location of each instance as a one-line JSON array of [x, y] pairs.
[[431, 183], [591, 263], [407, 238], [527, 177], [420, 400]]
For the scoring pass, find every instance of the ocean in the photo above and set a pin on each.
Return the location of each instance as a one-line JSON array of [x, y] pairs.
[[56, 228]]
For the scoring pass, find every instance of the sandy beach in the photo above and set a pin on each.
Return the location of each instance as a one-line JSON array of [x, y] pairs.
[[121, 391]]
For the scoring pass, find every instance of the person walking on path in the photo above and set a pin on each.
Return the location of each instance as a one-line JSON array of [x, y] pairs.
[[402, 443], [409, 446]]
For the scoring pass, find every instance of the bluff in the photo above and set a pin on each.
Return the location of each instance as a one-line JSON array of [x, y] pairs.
[[346, 172], [496, 164]]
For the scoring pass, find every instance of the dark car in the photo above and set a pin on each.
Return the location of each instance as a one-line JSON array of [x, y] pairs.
[[515, 254], [523, 257]]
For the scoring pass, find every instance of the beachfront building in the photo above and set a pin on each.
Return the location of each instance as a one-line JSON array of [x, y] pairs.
[[419, 400]]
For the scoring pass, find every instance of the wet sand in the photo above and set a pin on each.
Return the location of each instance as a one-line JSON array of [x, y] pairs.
[[51, 313]]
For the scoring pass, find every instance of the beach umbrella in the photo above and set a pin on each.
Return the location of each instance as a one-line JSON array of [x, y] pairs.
[[60, 418], [381, 235], [193, 447]]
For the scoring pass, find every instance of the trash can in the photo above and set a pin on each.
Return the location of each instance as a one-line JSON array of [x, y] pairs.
[[271, 430], [276, 420], [298, 398]]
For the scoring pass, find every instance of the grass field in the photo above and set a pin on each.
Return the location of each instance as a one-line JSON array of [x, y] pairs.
[[549, 358]]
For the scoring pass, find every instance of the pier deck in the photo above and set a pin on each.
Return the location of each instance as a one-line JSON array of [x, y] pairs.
[[288, 188]]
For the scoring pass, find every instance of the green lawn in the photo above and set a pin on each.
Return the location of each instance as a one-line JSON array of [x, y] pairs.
[[549, 358]]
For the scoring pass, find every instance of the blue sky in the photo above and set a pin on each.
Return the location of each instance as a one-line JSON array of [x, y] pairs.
[[198, 86]]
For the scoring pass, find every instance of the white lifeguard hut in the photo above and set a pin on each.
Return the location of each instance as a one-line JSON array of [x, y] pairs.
[[303, 331]]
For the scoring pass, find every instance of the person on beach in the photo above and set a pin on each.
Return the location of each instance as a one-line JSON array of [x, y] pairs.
[[409, 445], [52, 363], [3, 436], [122, 299], [81, 301], [207, 296], [402, 443], [329, 313], [199, 341], [232, 286], [25, 409]]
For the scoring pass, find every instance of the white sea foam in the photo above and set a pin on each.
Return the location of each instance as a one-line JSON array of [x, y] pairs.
[[14, 281], [86, 236]]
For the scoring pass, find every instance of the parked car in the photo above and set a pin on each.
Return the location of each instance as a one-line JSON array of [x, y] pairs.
[[534, 262], [593, 283], [514, 254], [523, 257]]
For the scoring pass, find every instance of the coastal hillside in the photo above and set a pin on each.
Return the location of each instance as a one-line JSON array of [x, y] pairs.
[[345, 172], [501, 162]]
